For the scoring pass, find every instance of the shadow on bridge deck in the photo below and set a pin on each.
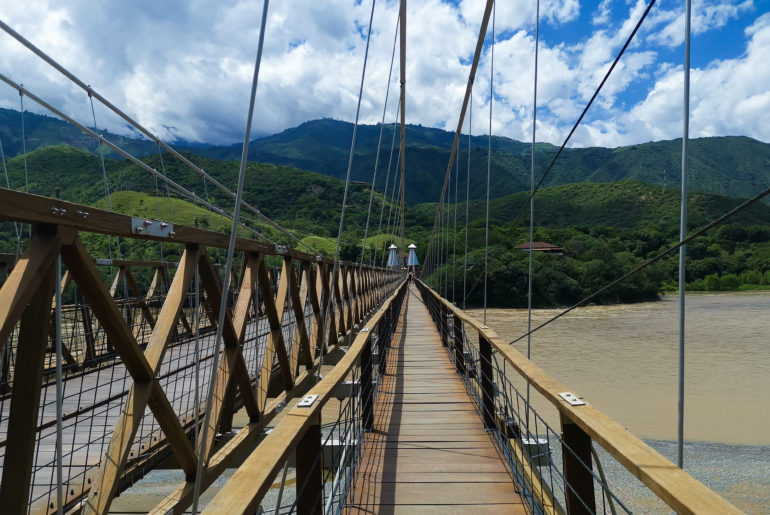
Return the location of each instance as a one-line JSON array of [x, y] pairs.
[[428, 451]]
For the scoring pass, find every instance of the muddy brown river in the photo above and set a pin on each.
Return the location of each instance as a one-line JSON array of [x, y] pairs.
[[624, 359]]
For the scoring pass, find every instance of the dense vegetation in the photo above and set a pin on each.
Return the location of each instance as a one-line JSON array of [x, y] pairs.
[[605, 230], [606, 223]]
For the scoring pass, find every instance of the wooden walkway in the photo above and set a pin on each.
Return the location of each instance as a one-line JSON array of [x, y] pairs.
[[428, 452]]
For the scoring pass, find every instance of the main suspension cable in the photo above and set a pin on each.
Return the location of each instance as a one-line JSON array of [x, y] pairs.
[[468, 88]]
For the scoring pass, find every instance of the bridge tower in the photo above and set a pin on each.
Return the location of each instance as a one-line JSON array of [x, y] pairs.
[[393, 263], [412, 263]]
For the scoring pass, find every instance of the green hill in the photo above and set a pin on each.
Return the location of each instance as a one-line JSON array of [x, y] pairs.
[[305, 201], [627, 204]]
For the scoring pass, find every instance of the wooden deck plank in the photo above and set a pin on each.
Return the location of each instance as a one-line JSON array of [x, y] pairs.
[[429, 451]]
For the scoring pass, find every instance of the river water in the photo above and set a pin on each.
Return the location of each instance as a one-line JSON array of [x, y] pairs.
[[624, 360]]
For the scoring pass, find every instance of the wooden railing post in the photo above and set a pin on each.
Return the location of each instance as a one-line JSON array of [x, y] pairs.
[[459, 345], [310, 470], [576, 453], [367, 397], [485, 376], [383, 340], [17, 473], [443, 327]]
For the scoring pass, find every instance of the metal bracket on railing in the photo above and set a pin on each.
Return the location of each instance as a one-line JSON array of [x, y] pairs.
[[151, 228], [571, 398], [307, 401]]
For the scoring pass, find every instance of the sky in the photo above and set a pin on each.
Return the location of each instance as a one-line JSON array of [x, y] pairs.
[[183, 69]]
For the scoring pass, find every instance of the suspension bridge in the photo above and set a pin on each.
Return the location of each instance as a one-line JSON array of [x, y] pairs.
[[327, 386]]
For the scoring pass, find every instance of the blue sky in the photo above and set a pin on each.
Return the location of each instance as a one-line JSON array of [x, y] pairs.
[[183, 68]]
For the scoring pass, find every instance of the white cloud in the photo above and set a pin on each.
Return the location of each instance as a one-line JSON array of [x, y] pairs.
[[706, 15], [184, 69], [727, 97], [602, 15]]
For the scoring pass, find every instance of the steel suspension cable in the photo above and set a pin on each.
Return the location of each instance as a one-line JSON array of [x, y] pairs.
[[177, 187], [402, 152], [396, 196], [532, 198], [59, 393], [335, 267], [387, 182], [446, 240], [168, 198], [168, 193], [229, 263], [683, 232], [379, 144], [454, 242], [467, 197], [24, 153], [489, 159], [197, 352], [23, 142], [8, 185], [107, 193]]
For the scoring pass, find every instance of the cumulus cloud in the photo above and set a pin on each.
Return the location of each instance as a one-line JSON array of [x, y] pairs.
[[183, 69], [706, 15], [727, 97]]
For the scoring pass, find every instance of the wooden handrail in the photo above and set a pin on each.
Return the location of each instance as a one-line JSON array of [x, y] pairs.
[[16, 206], [674, 486], [248, 485]]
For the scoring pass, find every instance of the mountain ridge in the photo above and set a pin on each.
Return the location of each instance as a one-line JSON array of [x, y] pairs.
[[735, 166]]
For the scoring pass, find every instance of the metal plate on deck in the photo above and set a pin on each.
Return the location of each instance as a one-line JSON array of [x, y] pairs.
[[571, 398], [307, 401], [151, 227]]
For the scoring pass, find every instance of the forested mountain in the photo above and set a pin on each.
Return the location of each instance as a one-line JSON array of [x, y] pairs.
[[610, 209], [605, 228], [730, 166]]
